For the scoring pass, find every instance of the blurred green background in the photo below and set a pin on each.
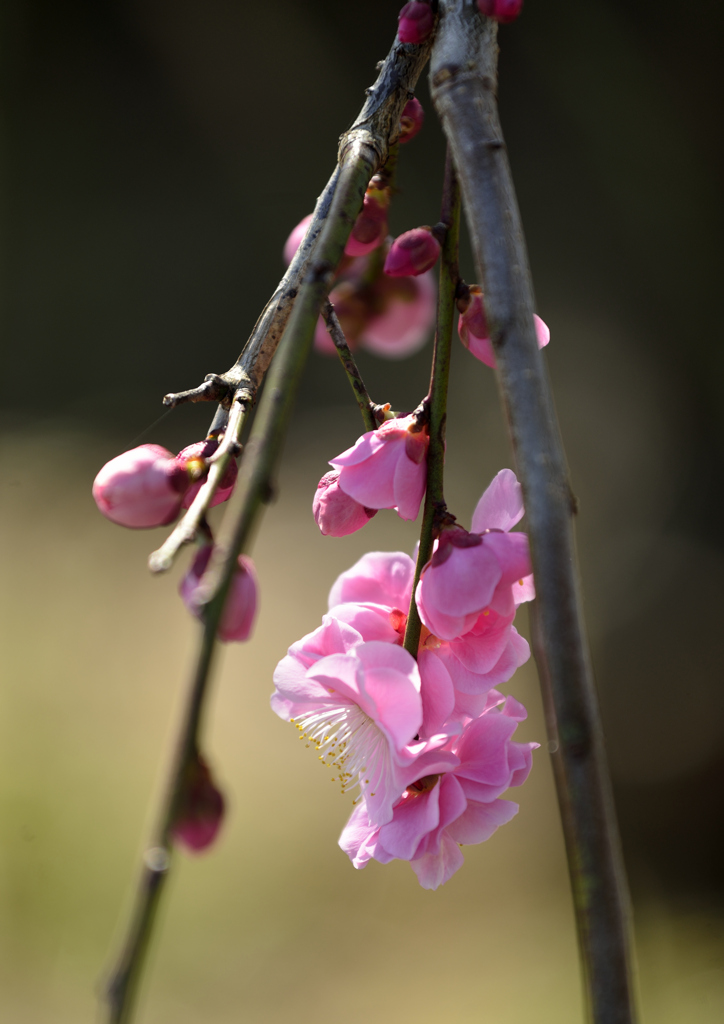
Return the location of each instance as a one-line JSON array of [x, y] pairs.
[[155, 156]]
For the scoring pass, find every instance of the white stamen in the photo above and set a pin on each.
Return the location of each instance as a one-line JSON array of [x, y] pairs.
[[348, 739]]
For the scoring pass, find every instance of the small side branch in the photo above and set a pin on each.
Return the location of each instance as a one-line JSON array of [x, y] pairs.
[[436, 402], [366, 406], [463, 77], [186, 529]]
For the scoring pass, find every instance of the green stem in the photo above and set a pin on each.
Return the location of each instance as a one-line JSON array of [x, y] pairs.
[[366, 405], [437, 399]]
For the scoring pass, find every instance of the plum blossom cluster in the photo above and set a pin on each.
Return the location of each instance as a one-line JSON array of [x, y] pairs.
[[424, 744]]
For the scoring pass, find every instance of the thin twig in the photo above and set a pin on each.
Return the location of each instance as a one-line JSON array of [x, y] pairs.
[[437, 398], [366, 406], [186, 529], [463, 77]]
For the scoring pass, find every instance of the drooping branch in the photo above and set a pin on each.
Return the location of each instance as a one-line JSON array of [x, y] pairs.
[[367, 407], [463, 77], [437, 396], [376, 127]]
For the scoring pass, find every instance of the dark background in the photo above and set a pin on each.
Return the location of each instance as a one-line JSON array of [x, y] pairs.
[[155, 156]]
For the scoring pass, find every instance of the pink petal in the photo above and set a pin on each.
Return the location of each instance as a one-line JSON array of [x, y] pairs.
[[434, 869], [380, 577], [438, 695], [480, 821], [414, 818], [501, 505], [409, 486]]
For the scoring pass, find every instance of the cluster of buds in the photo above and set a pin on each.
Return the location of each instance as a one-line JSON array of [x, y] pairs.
[[425, 742]]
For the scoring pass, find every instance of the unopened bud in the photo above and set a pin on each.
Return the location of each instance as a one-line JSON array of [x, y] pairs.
[[336, 514], [370, 228], [412, 253], [195, 460], [501, 10], [141, 488], [411, 121], [415, 22], [241, 601], [201, 807]]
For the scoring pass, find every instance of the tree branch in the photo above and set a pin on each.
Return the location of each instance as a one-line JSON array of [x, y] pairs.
[[463, 76], [437, 396], [367, 407]]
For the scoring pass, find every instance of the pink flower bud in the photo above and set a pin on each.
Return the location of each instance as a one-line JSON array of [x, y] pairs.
[[370, 228], [474, 332], [141, 488], [241, 602], [194, 459], [295, 239], [412, 253], [336, 514], [201, 808], [413, 117], [416, 20], [501, 10]]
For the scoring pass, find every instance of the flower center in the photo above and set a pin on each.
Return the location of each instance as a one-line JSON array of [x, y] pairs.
[[422, 785], [349, 741]]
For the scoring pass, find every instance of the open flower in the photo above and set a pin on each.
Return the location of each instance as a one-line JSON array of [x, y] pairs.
[[445, 808], [362, 711], [386, 468], [473, 573]]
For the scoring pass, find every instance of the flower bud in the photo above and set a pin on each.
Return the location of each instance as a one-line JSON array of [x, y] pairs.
[[415, 22], [335, 513], [241, 601], [141, 488], [370, 228], [501, 10], [195, 460], [412, 253], [411, 121], [201, 808]]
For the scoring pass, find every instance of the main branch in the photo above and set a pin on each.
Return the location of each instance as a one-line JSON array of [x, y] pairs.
[[463, 77]]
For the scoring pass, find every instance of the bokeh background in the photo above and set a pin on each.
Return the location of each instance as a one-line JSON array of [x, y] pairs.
[[155, 155]]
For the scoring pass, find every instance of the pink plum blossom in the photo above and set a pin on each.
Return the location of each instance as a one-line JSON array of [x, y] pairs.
[[201, 808], [387, 467], [374, 594], [194, 459], [445, 808], [361, 710], [141, 488], [501, 10], [240, 610], [415, 22], [472, 575], [295, 238], [403, 316], [412, 253], [411, 121], [335, 513], [474, 332]]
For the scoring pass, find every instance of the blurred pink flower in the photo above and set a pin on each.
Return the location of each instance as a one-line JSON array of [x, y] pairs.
[[475, 335], [141, 488], [241, 603], [386, 468], [501, 10], [403, 317], [411, 121]]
